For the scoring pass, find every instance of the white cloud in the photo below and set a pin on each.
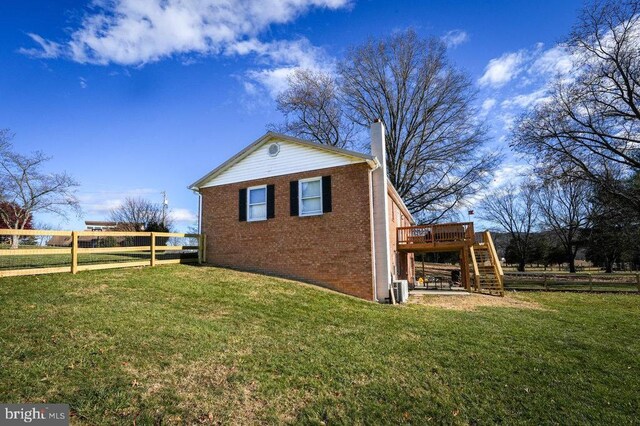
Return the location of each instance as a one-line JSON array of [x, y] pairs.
[[501, 70], [135, 32], [273, 80], [507, 119], [556, 60], [520, 80], [488, 105], [509, 172], [83, 82], [281, 58], [527, 100], [97, 205], [46, 49], [454, 38], [183, 215]]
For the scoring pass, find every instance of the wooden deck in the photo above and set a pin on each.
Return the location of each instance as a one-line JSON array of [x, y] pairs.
[[479, 263], [435, 238]]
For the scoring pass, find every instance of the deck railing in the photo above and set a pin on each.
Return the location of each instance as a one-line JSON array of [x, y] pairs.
[[461, 232]]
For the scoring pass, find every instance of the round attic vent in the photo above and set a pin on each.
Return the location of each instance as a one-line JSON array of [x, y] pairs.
[[274, 149]]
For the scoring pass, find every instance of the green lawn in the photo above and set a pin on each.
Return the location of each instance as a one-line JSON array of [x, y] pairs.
[[184, 344]]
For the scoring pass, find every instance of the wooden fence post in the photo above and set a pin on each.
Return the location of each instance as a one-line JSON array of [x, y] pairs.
[[638, 282], [590, 282], [544, 284], [153, 249], [74, 252], [203, 249]]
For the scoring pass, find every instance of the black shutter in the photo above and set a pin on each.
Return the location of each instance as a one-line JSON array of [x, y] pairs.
[[293, 197], [271, 201], [326, 194], [242, 205]]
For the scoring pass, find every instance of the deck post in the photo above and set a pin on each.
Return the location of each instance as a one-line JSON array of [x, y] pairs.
[[464, 268]]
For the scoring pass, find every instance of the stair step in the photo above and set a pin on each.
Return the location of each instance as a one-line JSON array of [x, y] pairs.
[[486, 276]]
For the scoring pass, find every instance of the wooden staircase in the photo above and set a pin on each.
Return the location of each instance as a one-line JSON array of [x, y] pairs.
[[486, 273]]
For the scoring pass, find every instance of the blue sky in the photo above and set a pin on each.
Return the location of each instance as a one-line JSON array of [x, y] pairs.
[[133, 99]]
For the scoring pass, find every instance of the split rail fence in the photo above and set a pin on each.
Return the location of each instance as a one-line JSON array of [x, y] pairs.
[[33, 252], [582, 282]]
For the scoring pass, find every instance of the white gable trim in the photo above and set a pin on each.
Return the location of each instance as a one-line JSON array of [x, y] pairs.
[[295, 156]]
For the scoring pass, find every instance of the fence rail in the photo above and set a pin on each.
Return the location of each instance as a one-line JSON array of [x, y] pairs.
[[33, 252], [590, 282]]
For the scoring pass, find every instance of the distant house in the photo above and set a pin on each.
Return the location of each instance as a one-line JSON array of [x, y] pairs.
[[97, 225], [320, 214], [85, 240]]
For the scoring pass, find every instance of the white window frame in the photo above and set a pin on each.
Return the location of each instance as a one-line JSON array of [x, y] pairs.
[[300, 182], [266, 200]]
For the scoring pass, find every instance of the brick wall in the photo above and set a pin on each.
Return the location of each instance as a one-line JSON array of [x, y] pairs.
[[333, 249]]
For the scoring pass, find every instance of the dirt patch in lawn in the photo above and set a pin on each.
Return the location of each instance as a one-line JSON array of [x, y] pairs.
[[473, 301], [90, 290], [208, 391]]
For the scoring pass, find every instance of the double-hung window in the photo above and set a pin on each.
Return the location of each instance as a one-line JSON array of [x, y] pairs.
[[257, 203], [310, 191]]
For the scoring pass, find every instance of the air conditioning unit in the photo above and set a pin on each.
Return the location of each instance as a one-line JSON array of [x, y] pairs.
[[400, 290]]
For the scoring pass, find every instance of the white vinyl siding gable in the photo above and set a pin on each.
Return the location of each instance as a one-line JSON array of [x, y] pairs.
[[292, 158]]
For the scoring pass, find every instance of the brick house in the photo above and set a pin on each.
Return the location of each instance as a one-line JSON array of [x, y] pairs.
[[293, 208]]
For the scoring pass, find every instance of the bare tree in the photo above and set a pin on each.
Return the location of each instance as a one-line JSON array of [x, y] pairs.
[[312, 111], [566, 209], [138, 214], [435, 143], [512, 210], [590, 129], [29, 189], [42, 240]]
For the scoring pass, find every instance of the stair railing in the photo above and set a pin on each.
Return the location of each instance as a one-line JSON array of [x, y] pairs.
[[476, 271], [497, 265]]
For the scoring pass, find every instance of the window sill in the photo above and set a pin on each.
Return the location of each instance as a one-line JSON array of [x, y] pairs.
[[310, 214]]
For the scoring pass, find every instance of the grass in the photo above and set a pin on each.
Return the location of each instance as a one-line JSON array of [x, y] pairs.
[[186, 344]]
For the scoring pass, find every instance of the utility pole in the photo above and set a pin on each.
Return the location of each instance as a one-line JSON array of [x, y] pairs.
[[165, 205]]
